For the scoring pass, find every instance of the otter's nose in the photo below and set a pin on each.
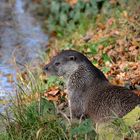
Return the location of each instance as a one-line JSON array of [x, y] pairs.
[[45, 68]]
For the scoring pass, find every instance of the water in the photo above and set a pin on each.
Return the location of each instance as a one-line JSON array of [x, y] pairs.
[[29, 31], [21, 41]]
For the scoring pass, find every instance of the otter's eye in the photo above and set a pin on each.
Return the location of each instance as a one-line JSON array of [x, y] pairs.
[[72, 57], [57, 63]]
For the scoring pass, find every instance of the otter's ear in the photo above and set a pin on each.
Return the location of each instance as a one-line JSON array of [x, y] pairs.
[[73, 58]]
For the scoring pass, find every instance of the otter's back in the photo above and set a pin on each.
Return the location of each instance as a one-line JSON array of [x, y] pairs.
[[111, 101]]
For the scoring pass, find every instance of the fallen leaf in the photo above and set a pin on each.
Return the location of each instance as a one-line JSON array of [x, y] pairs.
[[137, 92], [53, 98], [52, 92], [72, 2]]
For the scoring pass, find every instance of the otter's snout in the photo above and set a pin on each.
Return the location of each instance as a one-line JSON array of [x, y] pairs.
[[50, 70], [46, 68]]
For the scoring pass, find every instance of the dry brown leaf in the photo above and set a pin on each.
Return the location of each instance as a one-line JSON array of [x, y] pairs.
[[110, 21], [137, 92], [52, 92], [72, 2], [53, 98]]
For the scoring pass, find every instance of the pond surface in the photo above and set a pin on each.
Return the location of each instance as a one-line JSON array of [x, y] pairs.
[[21, 42]]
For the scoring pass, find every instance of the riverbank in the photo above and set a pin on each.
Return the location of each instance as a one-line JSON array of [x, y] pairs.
[[21, 43], [111, 40]]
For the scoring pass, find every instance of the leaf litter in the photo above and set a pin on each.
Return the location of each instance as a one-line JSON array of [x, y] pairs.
[[113, 45]]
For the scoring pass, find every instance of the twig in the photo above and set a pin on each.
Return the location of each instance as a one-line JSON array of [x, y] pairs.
[[62, 113]]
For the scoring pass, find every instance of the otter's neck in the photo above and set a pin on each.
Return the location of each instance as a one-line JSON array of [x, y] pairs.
[[86, 76]]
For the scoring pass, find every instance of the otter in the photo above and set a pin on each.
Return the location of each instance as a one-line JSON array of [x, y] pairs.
[[89, 91]]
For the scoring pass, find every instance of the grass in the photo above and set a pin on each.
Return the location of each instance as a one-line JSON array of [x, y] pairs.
[[33, 116]]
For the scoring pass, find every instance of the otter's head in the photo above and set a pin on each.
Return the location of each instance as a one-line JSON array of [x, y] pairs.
[[65, 63]]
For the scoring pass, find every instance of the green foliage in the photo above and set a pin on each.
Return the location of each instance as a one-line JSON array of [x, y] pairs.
[[36, 121], [123, 127], [94, 48], [54, 81], [86, 127], [105, 57], [105, 69], [61, 14], [4, 136]]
